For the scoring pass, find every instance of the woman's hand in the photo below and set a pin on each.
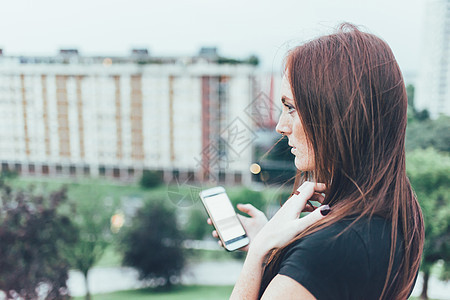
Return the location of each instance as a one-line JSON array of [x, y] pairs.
[[286, 224], [252, 224]]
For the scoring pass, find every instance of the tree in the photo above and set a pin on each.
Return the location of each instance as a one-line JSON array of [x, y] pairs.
[[410, 91], [276, 162], [92, 219], [413, 113], [34, 231], [253, 60], [281, 151], [152, 244], [429, 133], [429, 173], [422, 115]]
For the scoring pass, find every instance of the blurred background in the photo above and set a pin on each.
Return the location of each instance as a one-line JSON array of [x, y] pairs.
[[115, 114]]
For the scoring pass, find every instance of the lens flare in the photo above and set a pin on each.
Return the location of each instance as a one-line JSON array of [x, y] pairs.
[[255, 168]]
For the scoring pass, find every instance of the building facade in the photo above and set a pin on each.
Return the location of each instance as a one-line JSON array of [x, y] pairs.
[[189, 119], [433, 85]]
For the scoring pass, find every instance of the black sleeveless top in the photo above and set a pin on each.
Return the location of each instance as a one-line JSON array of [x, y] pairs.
[[351, 266]]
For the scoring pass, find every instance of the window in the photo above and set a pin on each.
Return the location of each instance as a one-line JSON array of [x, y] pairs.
[[102, 170], [238, 178], [45, 169]]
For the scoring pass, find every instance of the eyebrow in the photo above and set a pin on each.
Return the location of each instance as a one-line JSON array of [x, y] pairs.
[[284, 98]]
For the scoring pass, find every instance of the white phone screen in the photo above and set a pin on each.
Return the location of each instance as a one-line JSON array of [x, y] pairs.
[[224, 216]]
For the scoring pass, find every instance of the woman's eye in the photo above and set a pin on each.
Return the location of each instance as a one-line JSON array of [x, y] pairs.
[[290, 108]]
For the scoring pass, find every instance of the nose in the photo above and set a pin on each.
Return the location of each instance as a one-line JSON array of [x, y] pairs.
[[284, 125]]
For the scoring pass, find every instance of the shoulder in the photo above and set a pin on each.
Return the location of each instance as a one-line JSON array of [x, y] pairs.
[[342, 256], [361, 239]]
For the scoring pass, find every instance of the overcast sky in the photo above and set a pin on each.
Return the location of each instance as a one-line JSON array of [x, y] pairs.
[[238, 28]]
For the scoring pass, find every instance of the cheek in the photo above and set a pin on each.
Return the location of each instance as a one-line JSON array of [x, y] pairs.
[[305, 158], [299, 133]]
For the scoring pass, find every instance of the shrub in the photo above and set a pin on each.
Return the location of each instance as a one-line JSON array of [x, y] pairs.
[[152, 245], [150, 179]]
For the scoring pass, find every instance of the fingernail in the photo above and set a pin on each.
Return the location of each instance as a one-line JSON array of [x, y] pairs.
[[325, 210]]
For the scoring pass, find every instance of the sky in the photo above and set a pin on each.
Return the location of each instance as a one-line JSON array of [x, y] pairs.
[[239, 28]]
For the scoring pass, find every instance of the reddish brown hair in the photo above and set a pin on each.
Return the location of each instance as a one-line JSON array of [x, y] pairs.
[[351, 98]]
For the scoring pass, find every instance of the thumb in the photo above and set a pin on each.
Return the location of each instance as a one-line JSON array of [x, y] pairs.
[[313, 217], [249, 209]]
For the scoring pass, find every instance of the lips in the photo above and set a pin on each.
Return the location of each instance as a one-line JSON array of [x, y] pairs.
[[293, 150]]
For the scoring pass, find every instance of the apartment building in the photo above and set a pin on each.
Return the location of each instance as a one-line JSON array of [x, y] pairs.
[[433, 85], [188, 118]]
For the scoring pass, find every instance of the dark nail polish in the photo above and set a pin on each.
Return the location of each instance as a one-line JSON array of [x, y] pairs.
[[325, 210]]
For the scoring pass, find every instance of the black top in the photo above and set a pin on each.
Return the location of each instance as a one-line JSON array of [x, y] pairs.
[[351, 266]]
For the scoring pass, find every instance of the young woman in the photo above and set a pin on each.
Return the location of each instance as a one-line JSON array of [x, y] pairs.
[[344, 113]]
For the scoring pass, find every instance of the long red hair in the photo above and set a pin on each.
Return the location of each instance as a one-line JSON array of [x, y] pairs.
[[351, 98]]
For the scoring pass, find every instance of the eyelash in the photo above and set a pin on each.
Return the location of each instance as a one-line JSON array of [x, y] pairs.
[[290, 108]]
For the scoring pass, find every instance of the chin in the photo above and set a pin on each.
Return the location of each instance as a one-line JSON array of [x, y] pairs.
[[303, 165]]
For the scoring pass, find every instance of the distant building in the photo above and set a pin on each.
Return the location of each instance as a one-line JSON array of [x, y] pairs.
[[111, 116], [68, 52], [433, 84], [210, 52], [143, 52]]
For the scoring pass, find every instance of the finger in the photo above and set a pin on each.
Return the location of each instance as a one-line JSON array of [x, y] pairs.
[[313, 217], [209, 221], [220, 243], [214, 234], [317, 197], [249, 209], [318, 187], [309, 208], [298, 201]]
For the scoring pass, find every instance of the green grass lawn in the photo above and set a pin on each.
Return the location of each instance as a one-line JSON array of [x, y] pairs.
[[84, 189], [87, 189], [179, 293]]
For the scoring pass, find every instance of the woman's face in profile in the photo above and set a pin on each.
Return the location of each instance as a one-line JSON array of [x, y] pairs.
[[290, 124]]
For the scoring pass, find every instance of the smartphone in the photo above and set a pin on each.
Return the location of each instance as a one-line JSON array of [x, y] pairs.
[[224, 218]]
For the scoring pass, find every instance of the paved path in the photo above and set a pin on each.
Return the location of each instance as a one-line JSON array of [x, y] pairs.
[[103, 280]]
